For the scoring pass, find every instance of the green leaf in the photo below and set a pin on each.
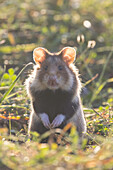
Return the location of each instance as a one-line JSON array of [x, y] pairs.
[[44, 30], [3, 84], [107, 107], [13, 77], [6, 76], [11, 71], [100, 108]]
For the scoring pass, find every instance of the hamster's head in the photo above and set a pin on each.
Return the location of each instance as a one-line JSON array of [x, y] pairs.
[[54, 68]]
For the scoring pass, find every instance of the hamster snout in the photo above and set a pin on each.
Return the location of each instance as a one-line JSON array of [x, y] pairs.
[[52, 80]]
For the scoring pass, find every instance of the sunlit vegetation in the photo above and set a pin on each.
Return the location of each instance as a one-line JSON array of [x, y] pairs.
[[86, 25]]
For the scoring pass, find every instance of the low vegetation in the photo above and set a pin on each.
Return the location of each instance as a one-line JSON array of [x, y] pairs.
[[53, 25]]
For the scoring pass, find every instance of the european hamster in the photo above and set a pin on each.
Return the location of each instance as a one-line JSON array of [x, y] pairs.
[[54, 90]]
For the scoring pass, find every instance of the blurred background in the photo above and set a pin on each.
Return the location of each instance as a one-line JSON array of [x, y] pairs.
[[86, 25]]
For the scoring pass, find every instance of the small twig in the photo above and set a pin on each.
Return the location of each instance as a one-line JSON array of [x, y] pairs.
[[92, 138], [89, 81], [97, 112]]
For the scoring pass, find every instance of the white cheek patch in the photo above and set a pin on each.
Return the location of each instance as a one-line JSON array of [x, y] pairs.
[[37, 85], [69, 84], [33, 84], [46, 78]]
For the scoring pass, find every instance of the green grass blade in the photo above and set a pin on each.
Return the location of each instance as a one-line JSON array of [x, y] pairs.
[[12, 85], [99, 89], [100, 83], [105, 66]]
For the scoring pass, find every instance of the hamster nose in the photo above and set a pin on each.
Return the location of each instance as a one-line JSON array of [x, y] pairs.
[[52, 77], [52, 80]]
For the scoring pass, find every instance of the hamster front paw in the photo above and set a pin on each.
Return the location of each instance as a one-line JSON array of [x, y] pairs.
[[45, 120], [57, 121]]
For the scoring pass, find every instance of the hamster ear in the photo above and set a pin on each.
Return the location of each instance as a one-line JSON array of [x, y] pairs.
[[39, 55], [68, 54]]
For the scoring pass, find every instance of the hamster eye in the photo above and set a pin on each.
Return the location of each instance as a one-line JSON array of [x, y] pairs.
[[60, 67], [45, 67]]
